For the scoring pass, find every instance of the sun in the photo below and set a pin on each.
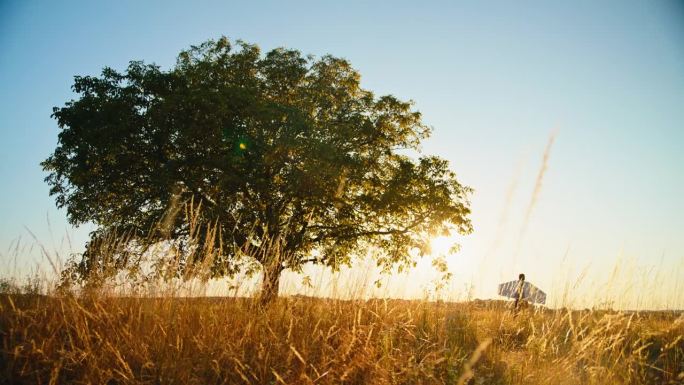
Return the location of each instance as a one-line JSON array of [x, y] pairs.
[[441, 245]]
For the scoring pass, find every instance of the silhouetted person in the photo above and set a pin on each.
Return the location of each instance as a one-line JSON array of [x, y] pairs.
[[519, 291]]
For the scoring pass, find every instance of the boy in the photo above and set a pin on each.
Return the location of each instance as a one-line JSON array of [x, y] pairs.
[[519, 290]]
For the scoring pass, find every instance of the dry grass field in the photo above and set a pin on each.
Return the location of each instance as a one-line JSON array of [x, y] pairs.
[[99, 339]]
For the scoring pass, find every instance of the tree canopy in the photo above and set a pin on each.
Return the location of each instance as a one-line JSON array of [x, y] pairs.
[[277, 148]]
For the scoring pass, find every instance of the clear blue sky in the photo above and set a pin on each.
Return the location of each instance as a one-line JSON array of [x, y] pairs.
[[494, 79]]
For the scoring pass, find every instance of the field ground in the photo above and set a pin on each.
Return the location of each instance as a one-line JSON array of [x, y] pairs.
[[299, 340]]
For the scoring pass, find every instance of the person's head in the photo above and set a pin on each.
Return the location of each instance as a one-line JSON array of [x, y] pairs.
[[521, 277]]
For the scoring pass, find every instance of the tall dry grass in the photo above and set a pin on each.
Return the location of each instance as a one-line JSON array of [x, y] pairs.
[[100, 339], [141, 333]]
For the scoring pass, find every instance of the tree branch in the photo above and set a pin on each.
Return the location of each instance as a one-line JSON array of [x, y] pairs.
[[404, 230]]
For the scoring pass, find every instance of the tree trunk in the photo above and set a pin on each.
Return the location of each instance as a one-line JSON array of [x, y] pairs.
[[270, 285]]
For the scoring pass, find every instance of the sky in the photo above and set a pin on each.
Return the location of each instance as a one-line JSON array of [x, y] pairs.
[[588, 94]]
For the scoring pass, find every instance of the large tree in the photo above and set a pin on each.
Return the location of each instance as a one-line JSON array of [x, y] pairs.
[[291, 160]]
